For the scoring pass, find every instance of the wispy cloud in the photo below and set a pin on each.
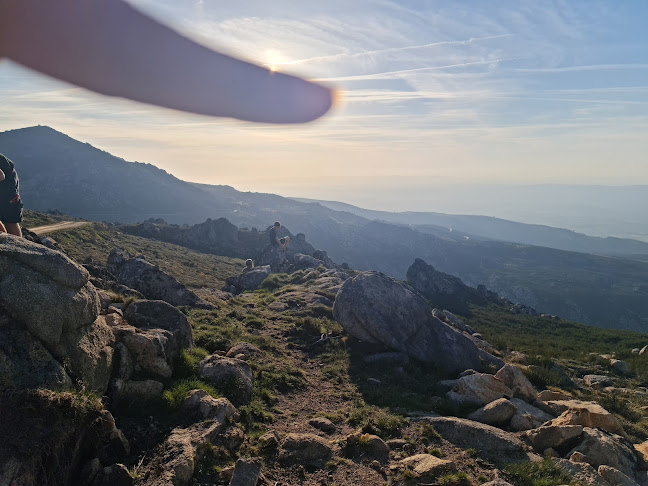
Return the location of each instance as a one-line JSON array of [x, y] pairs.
[[594, 67]]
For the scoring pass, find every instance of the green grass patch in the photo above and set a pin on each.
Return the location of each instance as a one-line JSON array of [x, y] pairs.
[[174, 396], [545, 473], [375, 420]]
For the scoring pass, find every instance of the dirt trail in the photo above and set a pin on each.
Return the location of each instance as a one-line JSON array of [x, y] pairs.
[[50, 228]]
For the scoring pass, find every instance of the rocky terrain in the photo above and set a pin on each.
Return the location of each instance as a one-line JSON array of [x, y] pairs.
[[129, 369]]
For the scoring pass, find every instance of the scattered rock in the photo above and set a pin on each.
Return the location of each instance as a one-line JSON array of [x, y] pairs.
[[519, 384], [396, 444], [426, 467], [604, 448], [581, 472], [597, 380], [153, 350], [323, 424], [231, 373], [496, 413], [209, 407], [641, 451], [478, 389], [552, 436], [587, 414], [246, 472], [158, 314], [619, 367], [548, 395], [615, 477], [306, 449], [366, 446], [269, 440], [491, 443], [246, 349], [528, 416]]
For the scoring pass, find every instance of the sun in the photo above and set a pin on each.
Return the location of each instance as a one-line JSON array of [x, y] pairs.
[[273, 59]]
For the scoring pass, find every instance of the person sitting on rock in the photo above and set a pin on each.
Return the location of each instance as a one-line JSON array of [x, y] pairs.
[[275, 241], [249, 265], [11, 206]]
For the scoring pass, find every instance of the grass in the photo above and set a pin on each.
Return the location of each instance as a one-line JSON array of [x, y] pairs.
[[176, 394], [545, 473], [191, 268]]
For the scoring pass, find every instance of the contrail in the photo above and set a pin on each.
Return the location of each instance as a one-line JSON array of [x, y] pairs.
[[343, 55]]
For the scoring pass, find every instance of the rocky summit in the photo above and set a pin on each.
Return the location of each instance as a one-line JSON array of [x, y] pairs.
[[152, 363]]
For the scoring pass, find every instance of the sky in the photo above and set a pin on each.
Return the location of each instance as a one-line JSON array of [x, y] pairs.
[[433, 93]]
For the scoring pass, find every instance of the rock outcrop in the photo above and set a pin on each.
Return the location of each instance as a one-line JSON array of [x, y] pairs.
[[378, 309]]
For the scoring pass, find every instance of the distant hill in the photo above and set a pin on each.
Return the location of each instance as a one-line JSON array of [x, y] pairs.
[[58, 172], [486, 227]]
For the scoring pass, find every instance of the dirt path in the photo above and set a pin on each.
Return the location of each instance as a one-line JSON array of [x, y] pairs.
[[50, 228]]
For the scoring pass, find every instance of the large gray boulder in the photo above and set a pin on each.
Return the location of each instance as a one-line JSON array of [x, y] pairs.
[[381, 310], [155, 284], [252, 280], [603, 448], [44, 290], [491, 443]]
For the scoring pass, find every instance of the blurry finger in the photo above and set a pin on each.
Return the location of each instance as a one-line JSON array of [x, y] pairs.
[[109, 47]]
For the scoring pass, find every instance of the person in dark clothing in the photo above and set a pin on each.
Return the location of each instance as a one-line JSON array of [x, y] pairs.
[[11, 206], [281, 243]]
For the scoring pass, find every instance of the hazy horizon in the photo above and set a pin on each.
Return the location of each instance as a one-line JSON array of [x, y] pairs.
[[513, 92]]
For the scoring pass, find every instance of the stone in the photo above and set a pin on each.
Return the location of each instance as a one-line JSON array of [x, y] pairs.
[[497, 482], [582, 472], [235, 374], [615, 477], [552, 436], [307, 449], [378, 309], [142, 391], [122, 362], [457, 323], [157, 314], [366, 446], [578, 457], [176, 461], [643, 350], [246, 349], [491, 444], [396, 444], [253, 279], [391, 357], [641, 451], [619, 367], [597, 380], [153, 351], [269, 440], [534, 415], [208, 407], [519, 384], [547, 395], [587, 414], [116, 259], [496, 413], [88, 352], [25, 362], [302, 261], [246, 472], [478, 389], [323, 424], [604, 448], [44, 290], [155, 284], [115, 475], [426, 467], [521, 421]]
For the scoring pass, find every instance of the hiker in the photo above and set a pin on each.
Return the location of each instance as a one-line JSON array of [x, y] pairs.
[[249, 265], [11, 206], [275, 241]]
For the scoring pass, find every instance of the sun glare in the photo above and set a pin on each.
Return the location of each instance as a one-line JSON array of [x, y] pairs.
[[273, 59]]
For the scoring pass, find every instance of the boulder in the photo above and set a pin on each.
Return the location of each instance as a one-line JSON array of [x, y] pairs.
[[115, 475], [581, 471], [153, 350], [603, 448], [367, 446], [246, 349], [306, 449], [302, 261], [528, 416], [246, 471], [478, 389], [381, 310], [24, 361], [116, 260], [158, 314], [155, 284], [491, 444], [615, 477], [597, 380], [140, 391], [619, 367], [252, 280], [457, 323], [641, 451], [519, 384], [44, 290], [553, 436], [549, 395], [496, 413], [232, 374], [587, 414], [426, 467], [208, 407], [323, 424]]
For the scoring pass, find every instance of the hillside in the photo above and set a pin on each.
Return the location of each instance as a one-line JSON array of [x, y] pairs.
[[322, 407], [58, 172]]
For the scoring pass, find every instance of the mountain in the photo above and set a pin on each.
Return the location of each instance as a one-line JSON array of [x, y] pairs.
[[58, 172]]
